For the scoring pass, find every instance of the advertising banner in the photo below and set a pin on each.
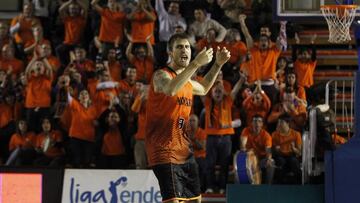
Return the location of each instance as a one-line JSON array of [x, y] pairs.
[[17, 187], [110, 186]]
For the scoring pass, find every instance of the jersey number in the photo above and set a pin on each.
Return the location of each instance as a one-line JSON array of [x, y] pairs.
[[181, 123]]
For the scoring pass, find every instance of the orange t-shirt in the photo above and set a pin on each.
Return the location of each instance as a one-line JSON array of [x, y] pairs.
[[262, 65], [91, 87], [284, 141], [166, 120], [251, 109], [52, 150], [258, 143], [6, 114], [22, 140], [299, 116], [304, 73], [112, 25], [74, 28], [102, 99], [218, 117], [55, 63], [115, 71], [237, 50], [200, 135], [25, 32], [112, 143], [66, 119], [17, 66], [38, 92], [124, 86], [141, 28], [204, 43], [144, 69], [82, 122], [86, 65]]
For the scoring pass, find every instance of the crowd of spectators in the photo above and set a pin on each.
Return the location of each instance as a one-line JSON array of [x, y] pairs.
[[74, 77]]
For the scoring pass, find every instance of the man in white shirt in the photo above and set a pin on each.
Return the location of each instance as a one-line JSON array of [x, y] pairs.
[[169, 20], [203, 23]]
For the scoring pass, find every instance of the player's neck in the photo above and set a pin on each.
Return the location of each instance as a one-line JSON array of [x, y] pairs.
[[176, 68]]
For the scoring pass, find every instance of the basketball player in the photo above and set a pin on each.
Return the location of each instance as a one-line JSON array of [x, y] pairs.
[[168, 108]]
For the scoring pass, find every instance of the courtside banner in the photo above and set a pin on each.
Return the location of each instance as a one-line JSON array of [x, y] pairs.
[[110, 186]]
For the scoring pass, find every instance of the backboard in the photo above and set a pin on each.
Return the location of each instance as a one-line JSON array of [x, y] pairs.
[[303, 10]]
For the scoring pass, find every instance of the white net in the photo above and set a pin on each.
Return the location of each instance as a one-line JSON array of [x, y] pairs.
[[339, 19]]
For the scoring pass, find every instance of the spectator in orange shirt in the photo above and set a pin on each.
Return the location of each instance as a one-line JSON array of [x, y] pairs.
[[34, 44], [115, 67], [106, 89], [21, 27], [83, 65], [304, 62], [39, 76], [22, 145], [219, 128], [113, 149], [209, 41], [291, 81], [128, 84], [142, 60], [73, 14], [142, 21], [256, 138], [293, 106], [238, 51], [262, 59], [45, 52], [49, 146], [8, 61], [139, 107], [112, 24], [287, 147], [82, 129], [198, 141], [112, 59], [282, 65], [256, 104]]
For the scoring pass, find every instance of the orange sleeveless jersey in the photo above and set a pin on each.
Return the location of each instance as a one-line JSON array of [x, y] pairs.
[[166, 117]]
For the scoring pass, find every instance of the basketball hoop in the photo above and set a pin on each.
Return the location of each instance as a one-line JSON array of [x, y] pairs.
[[339, 19]]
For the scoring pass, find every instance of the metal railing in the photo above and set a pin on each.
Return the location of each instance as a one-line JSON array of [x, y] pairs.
[[343, 97]]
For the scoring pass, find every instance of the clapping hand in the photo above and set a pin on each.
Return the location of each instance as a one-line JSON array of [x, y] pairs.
[[222, 56], [204, 56]]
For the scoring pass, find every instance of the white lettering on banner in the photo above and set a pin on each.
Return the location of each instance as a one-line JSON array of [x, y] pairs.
[[110, 186]]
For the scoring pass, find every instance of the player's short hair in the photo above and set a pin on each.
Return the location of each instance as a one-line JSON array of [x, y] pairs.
[[174, 38]]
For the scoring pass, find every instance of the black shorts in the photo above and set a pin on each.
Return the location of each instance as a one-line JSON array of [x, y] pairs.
[[178, 181]]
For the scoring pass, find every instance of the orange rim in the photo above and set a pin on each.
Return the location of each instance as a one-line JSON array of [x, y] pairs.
[[340, 6]]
